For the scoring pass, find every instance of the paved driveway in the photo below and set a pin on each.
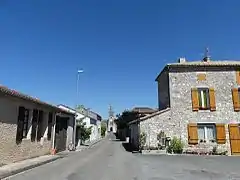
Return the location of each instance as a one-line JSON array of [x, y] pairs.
[[108, 160]]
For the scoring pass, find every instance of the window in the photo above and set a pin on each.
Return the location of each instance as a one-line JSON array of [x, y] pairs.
[[25, 123], [34, 124], [50, 118], [206, 132], [40, 125], [203, 98]]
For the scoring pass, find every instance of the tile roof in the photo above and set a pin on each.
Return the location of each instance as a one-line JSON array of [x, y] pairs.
[[20, 95], [211, 63], [150, 116], [144, 110]]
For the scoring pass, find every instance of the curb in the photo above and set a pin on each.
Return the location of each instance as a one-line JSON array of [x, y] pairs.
[[14, 172]]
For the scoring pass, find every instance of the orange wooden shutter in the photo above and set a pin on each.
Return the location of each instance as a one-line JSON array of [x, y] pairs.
[[195, 102], [221, 133], [212, 99], [234, 136], [192, 133], [238, 77], [235, 96]]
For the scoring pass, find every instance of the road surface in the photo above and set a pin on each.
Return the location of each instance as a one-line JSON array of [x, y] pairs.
[[108, 160]]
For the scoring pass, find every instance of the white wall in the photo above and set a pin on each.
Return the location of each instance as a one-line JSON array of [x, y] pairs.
[[95, 134]]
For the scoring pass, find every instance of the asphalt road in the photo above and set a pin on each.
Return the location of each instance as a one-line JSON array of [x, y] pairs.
[[108, 160]]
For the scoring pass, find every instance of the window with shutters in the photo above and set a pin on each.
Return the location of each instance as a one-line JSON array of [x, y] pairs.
[[50, 120], [22, 126], [206, 132], [25, 123], [203, 98]]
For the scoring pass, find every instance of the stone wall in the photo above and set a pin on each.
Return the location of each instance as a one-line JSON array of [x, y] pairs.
[[152, 126], [180, 84], [10, 151]]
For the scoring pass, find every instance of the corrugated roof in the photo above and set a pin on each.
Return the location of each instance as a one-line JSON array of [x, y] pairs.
[[20, 95]]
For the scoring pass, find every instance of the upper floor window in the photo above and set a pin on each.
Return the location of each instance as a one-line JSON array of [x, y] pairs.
[[203, 99]]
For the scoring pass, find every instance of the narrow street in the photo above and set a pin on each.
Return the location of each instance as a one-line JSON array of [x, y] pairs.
[[108, 160]]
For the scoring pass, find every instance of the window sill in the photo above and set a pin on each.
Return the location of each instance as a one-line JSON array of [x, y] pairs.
[[204, 110]]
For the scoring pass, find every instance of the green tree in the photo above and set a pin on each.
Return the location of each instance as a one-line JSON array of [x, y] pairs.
[[126, 117], [84, 132], [103, 128]]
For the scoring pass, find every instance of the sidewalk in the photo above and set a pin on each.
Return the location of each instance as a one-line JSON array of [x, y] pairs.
[[14, 168]]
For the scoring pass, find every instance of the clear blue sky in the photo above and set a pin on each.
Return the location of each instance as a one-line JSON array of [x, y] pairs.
[[121, 44]]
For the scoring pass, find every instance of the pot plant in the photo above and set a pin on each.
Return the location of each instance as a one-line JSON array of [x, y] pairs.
[[176, 146]]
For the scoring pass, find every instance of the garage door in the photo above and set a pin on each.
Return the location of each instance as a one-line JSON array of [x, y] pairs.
[[234, 135]]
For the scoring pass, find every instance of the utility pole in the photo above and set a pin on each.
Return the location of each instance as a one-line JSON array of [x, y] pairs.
[[75, 122]]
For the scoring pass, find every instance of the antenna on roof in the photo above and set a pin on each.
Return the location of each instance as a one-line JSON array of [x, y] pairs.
[[206, 56]]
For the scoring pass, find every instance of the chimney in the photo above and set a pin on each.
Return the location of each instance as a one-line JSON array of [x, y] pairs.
[[207, 57], [181, 60]]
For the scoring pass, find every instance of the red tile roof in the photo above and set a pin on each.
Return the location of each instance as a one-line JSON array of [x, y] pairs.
[[17, 94]]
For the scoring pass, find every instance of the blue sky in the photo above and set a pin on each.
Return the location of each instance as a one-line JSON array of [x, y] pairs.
[[121, 45]]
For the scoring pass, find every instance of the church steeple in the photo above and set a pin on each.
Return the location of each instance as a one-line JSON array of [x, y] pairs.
[[110, 111]]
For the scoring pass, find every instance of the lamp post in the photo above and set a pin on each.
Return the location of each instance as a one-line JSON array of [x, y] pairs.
[[77, 88]]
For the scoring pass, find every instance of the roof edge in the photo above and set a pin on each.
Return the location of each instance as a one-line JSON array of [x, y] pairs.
[[150, 115]]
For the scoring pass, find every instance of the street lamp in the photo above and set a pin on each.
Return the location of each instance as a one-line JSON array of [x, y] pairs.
[[75, 126]]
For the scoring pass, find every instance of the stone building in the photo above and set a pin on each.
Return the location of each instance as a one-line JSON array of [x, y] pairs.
[[199, 103], [27, 126]]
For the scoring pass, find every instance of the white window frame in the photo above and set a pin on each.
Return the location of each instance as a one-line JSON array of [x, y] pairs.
[[206, 105], [206, 139]]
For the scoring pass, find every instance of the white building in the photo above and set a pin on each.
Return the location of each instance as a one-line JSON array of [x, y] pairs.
[[91, 119]]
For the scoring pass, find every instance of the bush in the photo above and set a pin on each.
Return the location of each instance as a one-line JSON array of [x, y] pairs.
[[176, 146]]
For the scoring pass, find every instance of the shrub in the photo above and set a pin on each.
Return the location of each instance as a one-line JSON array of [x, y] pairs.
[[176, 146], [142, 139]]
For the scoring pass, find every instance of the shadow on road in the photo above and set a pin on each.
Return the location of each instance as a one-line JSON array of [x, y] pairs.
[[116, 140], [127, 147]]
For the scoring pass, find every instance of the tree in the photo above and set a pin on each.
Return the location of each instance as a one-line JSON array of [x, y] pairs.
[[125, 118], [103, 128], [84, 132]]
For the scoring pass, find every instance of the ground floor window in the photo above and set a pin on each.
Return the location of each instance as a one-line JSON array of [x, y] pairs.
[[206, 132], [50, 123], [22, 125]]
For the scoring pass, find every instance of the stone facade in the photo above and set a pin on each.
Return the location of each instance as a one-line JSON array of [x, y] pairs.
[[153, 124], [181, 103], [181, 80], [10, 151]]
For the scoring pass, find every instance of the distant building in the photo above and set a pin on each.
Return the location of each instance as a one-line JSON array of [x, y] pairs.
[[111, 122], [91, 119]]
